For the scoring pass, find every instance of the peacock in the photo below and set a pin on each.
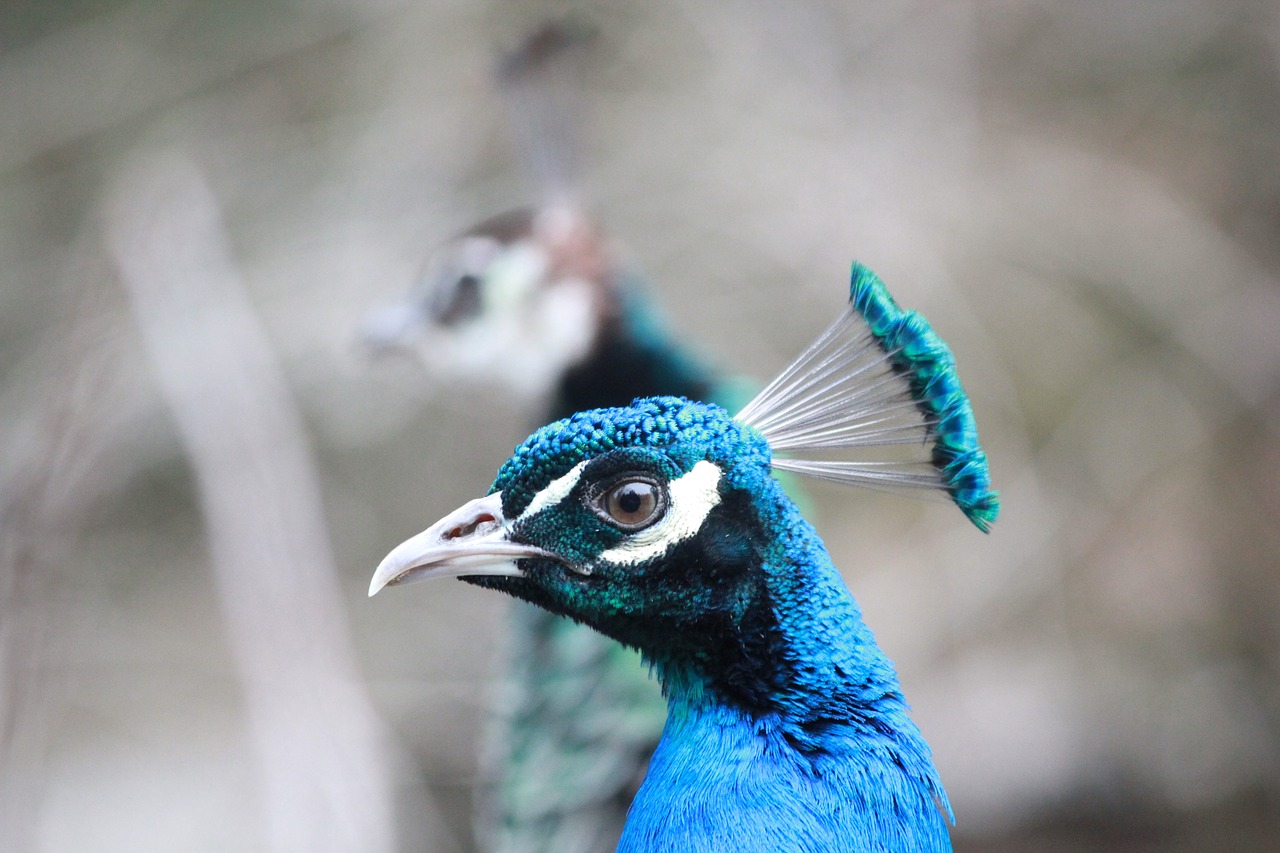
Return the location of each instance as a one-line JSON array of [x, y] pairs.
[[661, 524], [539, 302]]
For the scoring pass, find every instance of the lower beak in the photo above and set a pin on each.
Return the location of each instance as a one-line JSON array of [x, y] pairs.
[[471, 540]]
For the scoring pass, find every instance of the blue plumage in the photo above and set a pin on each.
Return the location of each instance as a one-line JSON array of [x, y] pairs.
[[660, 524], [818, 752]]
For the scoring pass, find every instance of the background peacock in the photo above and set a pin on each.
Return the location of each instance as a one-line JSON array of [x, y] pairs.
[[660, 525], [538, 301]]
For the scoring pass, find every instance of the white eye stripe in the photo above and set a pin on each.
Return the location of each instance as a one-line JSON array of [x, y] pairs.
[[554, 492], [690, 500]]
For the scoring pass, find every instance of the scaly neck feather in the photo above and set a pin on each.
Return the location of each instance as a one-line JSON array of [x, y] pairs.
[[830, 761]]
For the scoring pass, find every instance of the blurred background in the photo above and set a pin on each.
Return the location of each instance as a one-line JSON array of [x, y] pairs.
[[200, 468]]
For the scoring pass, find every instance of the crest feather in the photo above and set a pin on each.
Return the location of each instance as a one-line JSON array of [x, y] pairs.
[[881, 381]]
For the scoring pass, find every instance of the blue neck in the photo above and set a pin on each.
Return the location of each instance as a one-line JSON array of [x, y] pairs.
[[834, 763]]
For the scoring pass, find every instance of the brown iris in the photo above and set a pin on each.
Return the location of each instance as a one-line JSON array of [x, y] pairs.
[[632, 504]]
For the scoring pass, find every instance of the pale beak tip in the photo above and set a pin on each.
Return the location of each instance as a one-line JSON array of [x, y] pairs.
[[379, 581]]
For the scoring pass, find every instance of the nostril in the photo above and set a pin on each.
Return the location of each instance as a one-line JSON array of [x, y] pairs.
[[469, 529]]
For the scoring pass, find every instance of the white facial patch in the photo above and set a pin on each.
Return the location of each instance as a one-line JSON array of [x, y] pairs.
[[555, 491], [529, 332], [689, 500]]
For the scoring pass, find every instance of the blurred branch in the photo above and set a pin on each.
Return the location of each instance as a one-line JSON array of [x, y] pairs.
[[39, 501], [322, 754]]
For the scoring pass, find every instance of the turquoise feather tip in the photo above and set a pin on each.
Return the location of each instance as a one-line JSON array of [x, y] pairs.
[[916, 350]]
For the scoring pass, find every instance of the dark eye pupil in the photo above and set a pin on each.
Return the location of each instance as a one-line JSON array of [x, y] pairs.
[[629, 501]]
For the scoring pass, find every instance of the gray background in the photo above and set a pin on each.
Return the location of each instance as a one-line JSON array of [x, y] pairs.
[[1084, 198]]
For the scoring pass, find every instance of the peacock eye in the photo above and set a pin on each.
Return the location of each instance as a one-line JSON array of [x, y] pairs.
[[460, 302], [631, 504]]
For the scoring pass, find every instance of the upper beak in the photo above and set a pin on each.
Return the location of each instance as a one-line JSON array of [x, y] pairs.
[[471, 540], [393, 326]]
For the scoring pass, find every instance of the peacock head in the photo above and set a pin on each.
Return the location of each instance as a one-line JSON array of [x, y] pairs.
[[513, 301], [642, 521], [659, 523]]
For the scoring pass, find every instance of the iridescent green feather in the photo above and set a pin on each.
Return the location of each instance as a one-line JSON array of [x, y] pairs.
[[914, 348]]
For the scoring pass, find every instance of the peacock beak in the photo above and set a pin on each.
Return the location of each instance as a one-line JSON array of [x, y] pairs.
[[471, 540]]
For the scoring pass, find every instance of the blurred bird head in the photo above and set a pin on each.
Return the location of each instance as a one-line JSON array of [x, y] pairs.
[[659, 523], [516, 300]]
